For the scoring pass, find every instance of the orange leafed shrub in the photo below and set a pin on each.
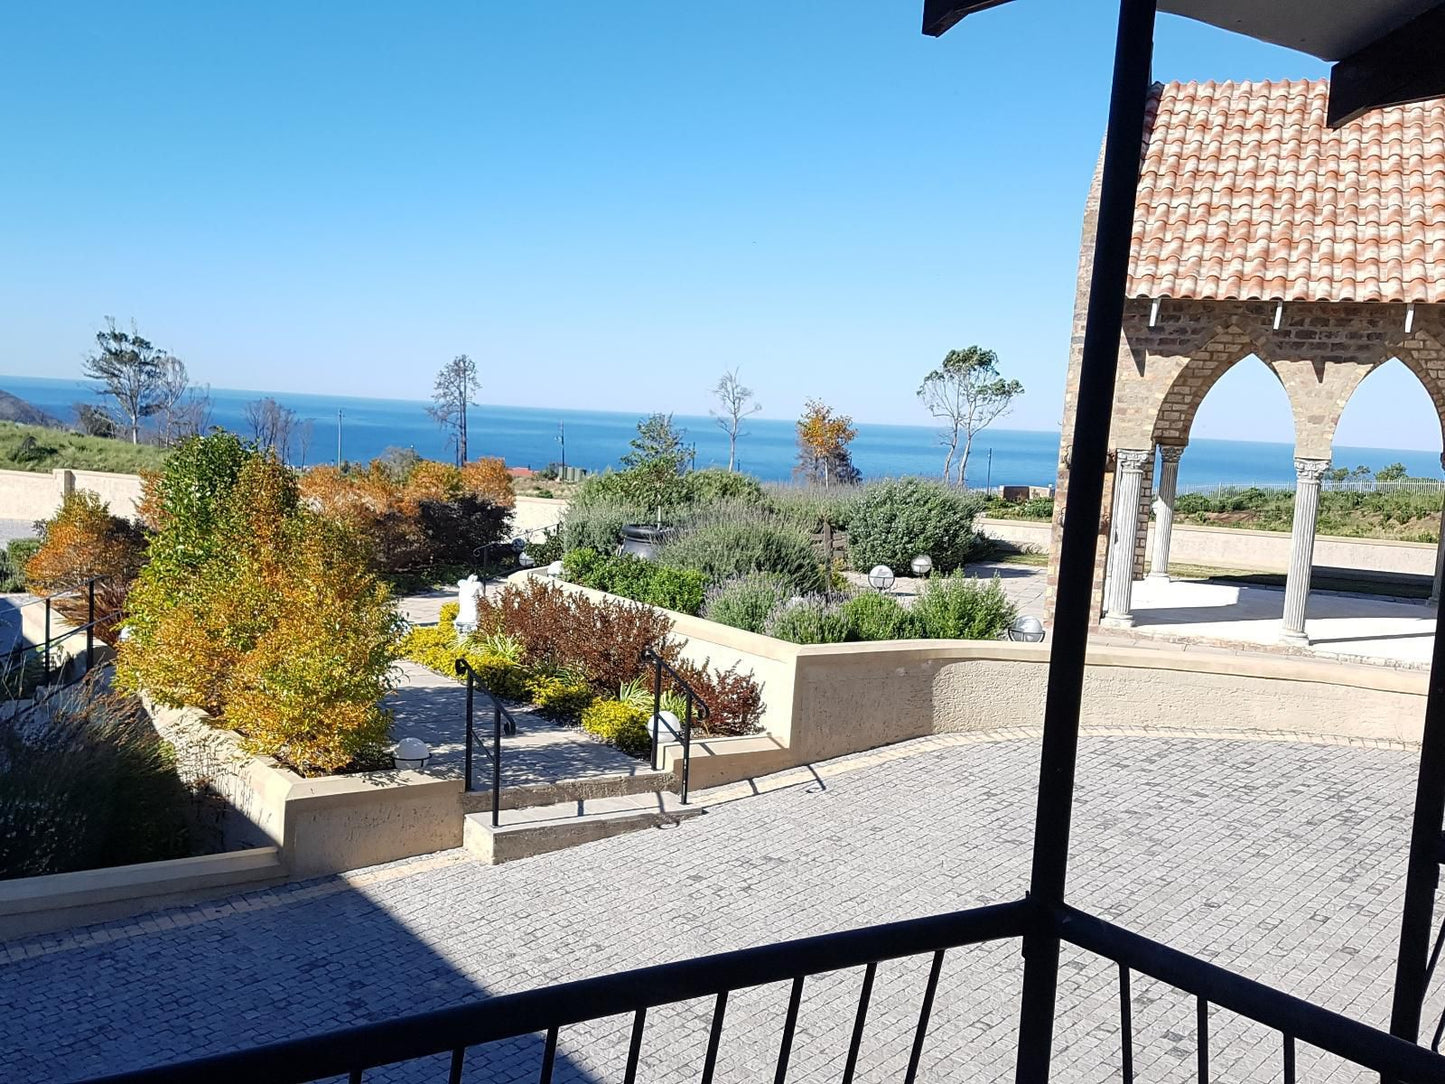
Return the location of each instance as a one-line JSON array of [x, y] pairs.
[[488, 480], [82, 541]]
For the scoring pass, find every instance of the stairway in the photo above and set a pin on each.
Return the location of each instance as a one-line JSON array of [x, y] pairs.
[[540, 817]]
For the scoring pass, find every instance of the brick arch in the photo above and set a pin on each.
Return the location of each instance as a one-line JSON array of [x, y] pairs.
[[1423, 353], [1175, 415]]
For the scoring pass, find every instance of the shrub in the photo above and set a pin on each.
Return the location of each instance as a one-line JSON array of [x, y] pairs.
[[896, 520], [562, 699], [807, 508], [13, 559], [547, 548], [84, 540], [438, 648], [93, 787], [747, 601], [182, 503], [734, 700], [631, 577], [727, 548], [564, 630], [263, 612], [619, 724], [714, 485], [487, 479], [812, 620], [881, 617], [963, 608]]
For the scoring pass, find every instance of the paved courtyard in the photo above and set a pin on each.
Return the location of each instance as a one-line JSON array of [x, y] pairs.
[[1283, 860]]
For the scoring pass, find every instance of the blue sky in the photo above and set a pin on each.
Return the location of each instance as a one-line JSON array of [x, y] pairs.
[[605, 204]]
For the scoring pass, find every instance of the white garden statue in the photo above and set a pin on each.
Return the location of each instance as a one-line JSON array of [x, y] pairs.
[[468, 591]]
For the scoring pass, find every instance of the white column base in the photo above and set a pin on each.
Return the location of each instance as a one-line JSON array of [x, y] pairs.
[[1158, 577], [1294, 639], [1117, 621]]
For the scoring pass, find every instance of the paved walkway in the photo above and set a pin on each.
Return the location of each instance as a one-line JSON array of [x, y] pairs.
[[1283, 860]]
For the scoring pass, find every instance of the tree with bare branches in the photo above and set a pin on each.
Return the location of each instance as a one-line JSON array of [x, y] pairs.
[[271, 425], [456, 385], [736, 402], [967, 394]]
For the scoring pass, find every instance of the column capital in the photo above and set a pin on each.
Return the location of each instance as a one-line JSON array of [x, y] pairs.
[[1170, 453], [1133, 459], [1310, 470]]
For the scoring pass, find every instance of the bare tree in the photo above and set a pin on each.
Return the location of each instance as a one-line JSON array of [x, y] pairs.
[[271, 425], [967, 393], [456, 384], [132, 369], [737, 403], [304, 436], [174, 401]]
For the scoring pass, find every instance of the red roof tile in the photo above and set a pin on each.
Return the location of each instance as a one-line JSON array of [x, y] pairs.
[[1246, 194]]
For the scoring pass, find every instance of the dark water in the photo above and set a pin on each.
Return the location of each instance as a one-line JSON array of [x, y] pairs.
[[527, 436]]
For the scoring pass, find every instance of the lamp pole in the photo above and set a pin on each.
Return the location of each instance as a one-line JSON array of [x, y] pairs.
[[338, 439], [562, 440]]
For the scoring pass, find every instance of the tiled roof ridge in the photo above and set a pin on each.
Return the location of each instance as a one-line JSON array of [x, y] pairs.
[[1246, 193]]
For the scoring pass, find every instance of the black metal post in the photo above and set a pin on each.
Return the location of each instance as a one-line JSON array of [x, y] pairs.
[[656, 712], [468, 760], [1074, 603], [45, 663], [686, 745], [90, 625], [496, 762], [1423, 873]]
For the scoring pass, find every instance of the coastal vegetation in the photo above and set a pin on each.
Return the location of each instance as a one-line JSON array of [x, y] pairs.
[[42, 448]]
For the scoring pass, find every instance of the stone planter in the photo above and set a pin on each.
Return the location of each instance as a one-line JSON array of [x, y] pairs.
[[643, 541]]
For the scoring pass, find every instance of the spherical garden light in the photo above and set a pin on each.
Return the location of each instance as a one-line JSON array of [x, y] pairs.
[[880, 577], [555, 568], [921, 565], [411, 754], [1027, 628], [526, 560]]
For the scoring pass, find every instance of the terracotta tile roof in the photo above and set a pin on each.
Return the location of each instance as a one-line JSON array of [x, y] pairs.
[[1246, 194]]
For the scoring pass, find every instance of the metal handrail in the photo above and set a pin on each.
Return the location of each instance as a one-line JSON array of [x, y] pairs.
[[43, 650], [501, 720], [695, 703]]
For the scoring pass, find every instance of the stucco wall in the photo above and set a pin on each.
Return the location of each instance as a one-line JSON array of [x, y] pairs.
[[534, 513], [1254, 551], [32, 495]]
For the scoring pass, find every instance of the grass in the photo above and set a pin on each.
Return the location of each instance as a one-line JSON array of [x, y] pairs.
[[35, 448]]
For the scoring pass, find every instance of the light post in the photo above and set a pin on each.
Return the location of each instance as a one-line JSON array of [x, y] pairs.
[[411, 754], [1028, 629], [880, 577], [921, 565]]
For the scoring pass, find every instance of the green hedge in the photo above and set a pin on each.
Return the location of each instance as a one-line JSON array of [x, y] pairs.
[[895, 521], [678, 589]]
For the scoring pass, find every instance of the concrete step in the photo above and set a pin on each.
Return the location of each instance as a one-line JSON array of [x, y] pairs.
[[523, 833], [585, 788]]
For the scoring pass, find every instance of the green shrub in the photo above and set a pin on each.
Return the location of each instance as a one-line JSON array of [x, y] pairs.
[[807, 508], [631, 577], [547, 548], [559, 698], [728, 548], [746, 602], [13, 559], [448, 613], [437, 648], [894, 521], [715, 485], [875, 616], [619, 724], [812, 620], [501, 676], [959, 607]]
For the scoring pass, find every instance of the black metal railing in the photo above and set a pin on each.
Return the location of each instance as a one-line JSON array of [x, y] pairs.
[[20, 659], [695, 708], [547, 1011], [502, 722]]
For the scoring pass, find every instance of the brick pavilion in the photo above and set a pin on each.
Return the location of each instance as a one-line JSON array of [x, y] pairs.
[[1259, 230]]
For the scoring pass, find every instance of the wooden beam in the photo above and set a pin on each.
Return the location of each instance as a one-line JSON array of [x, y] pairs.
[[1406, 65], [940, 15]]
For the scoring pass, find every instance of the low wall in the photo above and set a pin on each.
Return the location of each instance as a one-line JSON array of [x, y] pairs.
[[534, 513], [1249, 551], [35, 495], [324, 825]]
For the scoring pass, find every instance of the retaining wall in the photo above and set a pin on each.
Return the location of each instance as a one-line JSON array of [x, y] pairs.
[[33, 495]]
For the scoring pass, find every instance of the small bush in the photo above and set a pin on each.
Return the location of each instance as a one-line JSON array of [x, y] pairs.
[[963, 608], [747, 601], [724, 549], [631, 577], [81, 541], [812, 620], [619, 724], [711, 486], [438, 648], [448, 613], [499, 675], [881, 617], [13, 559], [734, 700], [547, 548], [560, 699], [894, 521], [808, 508]]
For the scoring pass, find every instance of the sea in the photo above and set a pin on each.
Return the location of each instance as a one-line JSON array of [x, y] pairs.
[[357, 428]]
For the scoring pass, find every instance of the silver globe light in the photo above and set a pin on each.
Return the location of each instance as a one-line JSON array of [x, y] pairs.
[[921, 565], [1029, 629], [526, 560], [411, 753], [880, 577]]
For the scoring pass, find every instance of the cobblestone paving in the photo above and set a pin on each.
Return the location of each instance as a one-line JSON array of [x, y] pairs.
[[1283, 860]]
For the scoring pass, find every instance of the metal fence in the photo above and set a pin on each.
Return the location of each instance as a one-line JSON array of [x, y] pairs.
[[25, 667]]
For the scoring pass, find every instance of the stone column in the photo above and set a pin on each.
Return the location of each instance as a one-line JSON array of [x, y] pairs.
[[1119, 578], [1302, 548], [1164, 510], [1439, 554]]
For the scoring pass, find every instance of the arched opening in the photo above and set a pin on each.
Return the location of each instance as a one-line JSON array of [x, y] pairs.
[[1391, 418], [1242, 432]]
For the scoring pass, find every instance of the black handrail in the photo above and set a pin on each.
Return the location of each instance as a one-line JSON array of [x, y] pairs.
[[501, 720], [694, 703], [15, 656], [548, 1009]]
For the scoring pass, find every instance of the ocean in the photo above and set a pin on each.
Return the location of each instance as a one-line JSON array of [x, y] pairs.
[[528, 437]]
